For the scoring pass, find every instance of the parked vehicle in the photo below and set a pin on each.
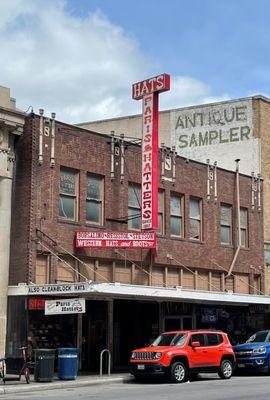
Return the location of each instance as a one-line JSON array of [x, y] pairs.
[[255, 353], [182, 354]]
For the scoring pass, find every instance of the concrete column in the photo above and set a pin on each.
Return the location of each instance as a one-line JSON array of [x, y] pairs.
[[5, 221], [11, 125]]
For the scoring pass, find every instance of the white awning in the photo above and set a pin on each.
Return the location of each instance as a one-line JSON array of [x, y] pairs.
[[136, 292]]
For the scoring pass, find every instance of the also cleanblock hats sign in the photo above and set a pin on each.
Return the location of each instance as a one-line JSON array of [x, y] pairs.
[[65, 306]]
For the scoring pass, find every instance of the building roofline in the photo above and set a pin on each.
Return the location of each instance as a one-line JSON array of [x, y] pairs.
[[254, 97], [130, 143], [12, 111]]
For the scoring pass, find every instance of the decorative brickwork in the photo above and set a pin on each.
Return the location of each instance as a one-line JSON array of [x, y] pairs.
[[36, 206]]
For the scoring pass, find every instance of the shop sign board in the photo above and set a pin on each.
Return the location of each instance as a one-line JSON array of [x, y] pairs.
[[58, 288], [148, 90], [219, 132], [208, 315], [128, 240], [36, 303], [64, 306]]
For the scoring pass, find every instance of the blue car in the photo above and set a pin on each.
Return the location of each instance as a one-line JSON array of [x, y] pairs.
[[255, 353]]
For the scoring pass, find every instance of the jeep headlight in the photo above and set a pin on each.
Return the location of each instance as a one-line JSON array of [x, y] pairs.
[[157, 355], [260, 350], [133, 355]]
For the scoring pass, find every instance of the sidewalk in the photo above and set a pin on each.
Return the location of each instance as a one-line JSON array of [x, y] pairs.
[[82, 380]]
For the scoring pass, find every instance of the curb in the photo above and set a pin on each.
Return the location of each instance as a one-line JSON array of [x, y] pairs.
[[61, 385]]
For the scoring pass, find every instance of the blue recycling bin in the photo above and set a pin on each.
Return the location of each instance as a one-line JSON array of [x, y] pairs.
[[68, 363]]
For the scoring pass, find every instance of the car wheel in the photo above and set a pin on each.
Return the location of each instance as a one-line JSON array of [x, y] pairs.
[[178, 372], [226, 369]]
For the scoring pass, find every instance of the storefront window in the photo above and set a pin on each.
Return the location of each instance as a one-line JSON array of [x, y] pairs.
[[51, 331]]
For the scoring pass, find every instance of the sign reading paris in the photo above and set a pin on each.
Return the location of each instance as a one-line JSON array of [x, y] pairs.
[[148, 90]]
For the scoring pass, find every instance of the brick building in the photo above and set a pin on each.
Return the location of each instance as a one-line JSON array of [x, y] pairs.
[[220, 132], [70, 179]]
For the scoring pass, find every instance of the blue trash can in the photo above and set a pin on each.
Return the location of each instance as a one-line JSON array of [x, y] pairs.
[[68, 363]]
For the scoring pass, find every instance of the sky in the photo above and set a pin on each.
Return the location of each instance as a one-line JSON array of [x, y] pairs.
[[79, 58]]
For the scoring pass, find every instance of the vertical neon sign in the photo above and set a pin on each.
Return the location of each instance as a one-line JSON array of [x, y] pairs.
[[148, 90]]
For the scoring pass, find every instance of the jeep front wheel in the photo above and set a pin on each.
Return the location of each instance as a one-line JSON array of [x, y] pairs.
[[226, 369], [178, 372]]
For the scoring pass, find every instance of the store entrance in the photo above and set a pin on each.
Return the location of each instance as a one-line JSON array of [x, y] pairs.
[[94, 331], [135, 325]]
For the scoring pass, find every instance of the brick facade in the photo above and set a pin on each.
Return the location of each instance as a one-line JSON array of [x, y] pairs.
[[36, 206], [131, 125]]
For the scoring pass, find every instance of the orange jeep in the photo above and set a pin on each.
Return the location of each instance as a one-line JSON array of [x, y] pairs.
[[182, 354]]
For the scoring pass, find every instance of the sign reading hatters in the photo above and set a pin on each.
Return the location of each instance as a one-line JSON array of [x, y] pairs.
[[220, 132], [148, 90]]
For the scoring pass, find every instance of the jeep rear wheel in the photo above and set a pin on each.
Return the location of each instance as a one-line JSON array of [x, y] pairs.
[[226, 369], [178, 372]]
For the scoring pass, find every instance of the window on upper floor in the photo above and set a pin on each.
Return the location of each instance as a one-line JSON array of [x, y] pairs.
[[244, 227], [226, 224], [161, 195], [195, 218], [176, 215], [68, 196], [134, 206], [95, 199]]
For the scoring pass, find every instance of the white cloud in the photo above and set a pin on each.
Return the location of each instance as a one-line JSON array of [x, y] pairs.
[[187, 91], [81, 68]]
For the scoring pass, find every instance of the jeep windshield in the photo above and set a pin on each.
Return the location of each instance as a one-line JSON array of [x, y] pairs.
[[259, 337], [170, 339]]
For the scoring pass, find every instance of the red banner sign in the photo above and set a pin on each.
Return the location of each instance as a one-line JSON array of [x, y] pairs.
[[150, 162], [130, 240], [160, 83], [148, 91]]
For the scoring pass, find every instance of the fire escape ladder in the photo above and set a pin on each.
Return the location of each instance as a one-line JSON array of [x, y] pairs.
[[53, 246]]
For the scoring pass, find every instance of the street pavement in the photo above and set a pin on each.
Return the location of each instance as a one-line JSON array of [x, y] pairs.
[[206, 387]]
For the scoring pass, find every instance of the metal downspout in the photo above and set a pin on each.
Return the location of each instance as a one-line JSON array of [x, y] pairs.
[[238, 219]]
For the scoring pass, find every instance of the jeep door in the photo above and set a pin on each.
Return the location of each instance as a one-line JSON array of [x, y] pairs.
[[215, 347], [197, 356]]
